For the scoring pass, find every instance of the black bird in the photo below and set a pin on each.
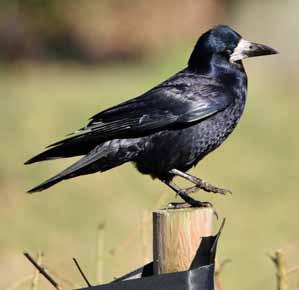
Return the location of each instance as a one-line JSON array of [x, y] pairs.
[[170, 128]]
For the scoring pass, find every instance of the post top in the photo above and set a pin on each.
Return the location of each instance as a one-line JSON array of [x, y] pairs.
[[170, 211]]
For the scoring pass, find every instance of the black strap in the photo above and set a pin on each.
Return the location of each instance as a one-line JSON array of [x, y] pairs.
[[200, 276]]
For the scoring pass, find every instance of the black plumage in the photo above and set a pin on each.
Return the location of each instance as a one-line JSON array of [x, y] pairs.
[[170, 128]]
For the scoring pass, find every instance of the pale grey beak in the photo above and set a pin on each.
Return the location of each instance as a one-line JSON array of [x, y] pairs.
[[246, 49]]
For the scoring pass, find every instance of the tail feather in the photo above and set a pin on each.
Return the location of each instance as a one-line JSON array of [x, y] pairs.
[[46, 184], [102, 158], [64, 149], [85, 165]]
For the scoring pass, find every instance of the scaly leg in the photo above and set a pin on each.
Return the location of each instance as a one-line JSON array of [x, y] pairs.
[[199, 182], [184, 194]]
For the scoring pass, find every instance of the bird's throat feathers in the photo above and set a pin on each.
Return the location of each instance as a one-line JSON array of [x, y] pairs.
[[218, 67], [214, 64]]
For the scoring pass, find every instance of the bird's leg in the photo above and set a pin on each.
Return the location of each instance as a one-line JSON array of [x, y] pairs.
[[199, 182], [184, 194]]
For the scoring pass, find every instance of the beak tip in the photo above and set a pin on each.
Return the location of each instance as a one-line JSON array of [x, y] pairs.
[[266, 50]]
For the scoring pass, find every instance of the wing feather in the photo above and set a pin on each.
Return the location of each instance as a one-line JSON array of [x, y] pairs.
[[160, 108]]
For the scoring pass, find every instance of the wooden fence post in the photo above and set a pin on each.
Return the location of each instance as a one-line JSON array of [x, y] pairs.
[[177, 234]]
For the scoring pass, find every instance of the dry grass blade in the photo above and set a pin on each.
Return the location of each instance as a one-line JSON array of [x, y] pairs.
[[281, 272], [63, 280], [43, 271], [35, 280]]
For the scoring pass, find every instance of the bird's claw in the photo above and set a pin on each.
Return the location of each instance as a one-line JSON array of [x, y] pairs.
[[178, 205], [194, 203], [222, 191], [199, 183], [197, 204], [211, 188]]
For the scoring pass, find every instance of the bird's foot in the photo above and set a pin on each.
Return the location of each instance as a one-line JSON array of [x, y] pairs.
[[211, 188], [191, 203], [199, 183], [184, 194], [188, 190], [188, 200], [178, 205]]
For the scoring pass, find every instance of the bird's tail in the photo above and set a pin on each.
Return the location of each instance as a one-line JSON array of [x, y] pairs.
[[70, 147], [104, 157]]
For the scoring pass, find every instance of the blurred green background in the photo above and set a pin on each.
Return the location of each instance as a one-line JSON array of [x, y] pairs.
[[63, 61]]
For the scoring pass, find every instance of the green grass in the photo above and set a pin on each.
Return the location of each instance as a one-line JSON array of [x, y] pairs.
[[41, 104]]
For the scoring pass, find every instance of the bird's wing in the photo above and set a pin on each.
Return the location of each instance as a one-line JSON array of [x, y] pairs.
[[169, 105], [162, 107]]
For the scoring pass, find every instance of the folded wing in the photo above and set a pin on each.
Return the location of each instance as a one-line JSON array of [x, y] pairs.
[[164, 107]]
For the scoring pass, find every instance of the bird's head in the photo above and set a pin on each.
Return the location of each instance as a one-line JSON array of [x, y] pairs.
[[226, 43]]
